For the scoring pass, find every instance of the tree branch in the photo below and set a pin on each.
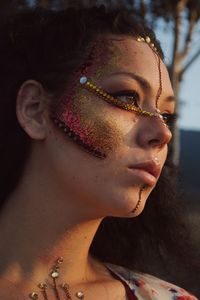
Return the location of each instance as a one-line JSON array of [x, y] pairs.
[[177, 28], [44, 3], [190, 62], [143, 8], [188, 38]]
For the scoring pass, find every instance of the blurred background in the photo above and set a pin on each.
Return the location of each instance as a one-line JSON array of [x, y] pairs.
[[177, 25]]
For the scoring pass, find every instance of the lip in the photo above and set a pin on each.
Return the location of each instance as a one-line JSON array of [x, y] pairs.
[[148, 172]]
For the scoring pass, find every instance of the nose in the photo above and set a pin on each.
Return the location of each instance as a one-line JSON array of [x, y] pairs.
[[154, 133]]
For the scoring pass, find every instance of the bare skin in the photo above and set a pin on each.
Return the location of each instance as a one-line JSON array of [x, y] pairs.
[[65, 192]]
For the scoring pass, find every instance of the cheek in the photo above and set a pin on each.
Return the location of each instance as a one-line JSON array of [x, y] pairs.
[[165, 152], [163, 156], [102, 128], [92, 123]]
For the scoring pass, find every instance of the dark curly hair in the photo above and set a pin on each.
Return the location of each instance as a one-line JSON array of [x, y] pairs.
[[48, 46]]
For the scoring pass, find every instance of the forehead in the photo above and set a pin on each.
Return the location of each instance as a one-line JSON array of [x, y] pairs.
[[124, 54]]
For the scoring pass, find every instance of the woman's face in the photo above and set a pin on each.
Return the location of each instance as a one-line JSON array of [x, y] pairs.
[[116, 155]]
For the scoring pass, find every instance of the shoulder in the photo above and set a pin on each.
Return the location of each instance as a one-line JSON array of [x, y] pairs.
[[145, 286]]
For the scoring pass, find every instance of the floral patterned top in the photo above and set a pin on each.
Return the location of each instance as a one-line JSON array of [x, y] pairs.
[[140, 286]]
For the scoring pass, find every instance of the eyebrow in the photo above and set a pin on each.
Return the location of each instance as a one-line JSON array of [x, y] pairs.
[[142, 82], [171, 99]]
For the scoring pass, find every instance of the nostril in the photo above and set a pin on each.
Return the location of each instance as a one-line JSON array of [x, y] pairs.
[[155, 143], [163, 138]]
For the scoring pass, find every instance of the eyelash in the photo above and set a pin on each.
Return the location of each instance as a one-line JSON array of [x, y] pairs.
[[134, 99], [169, 119]]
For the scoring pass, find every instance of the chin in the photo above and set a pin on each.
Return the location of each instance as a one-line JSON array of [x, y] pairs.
[[129, 206], [135, 212]]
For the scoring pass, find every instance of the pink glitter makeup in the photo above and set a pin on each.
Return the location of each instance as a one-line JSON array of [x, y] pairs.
[[67, 115]]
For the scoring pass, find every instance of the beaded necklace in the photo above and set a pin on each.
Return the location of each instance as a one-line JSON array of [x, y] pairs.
[[54, 275]]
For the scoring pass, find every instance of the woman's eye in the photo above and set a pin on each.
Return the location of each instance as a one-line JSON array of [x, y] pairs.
[[169, 119], [127, 97]]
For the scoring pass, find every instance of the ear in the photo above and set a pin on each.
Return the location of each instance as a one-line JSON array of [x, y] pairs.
[[32, 109]]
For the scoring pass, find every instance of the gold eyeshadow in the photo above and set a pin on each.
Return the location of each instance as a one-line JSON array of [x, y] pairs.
[[87, 84], [102, 129]]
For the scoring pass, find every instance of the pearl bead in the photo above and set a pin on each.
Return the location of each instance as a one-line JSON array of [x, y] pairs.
[[148, 40], [42, 286], [33, 296], [80, 295], [83, 79], [60, 260], [54, 274]]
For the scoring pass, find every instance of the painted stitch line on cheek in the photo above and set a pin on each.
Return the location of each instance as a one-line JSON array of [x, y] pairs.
[[77, 139], [139, 200], [70, 123]]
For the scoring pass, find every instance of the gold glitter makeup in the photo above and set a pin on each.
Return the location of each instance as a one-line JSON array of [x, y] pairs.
[[102, 129], [79, 117], [106, 56]]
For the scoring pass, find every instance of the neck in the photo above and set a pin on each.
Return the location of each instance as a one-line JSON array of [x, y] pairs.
[[40, 232], [32, 247]]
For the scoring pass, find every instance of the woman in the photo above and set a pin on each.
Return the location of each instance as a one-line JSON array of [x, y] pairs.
[[85, 130]]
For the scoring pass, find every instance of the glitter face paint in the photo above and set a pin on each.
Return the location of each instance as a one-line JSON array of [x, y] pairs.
[[80, 115], [82, 118], [102, 130]]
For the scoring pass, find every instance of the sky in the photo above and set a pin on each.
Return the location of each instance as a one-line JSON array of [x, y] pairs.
[[189, 115]]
